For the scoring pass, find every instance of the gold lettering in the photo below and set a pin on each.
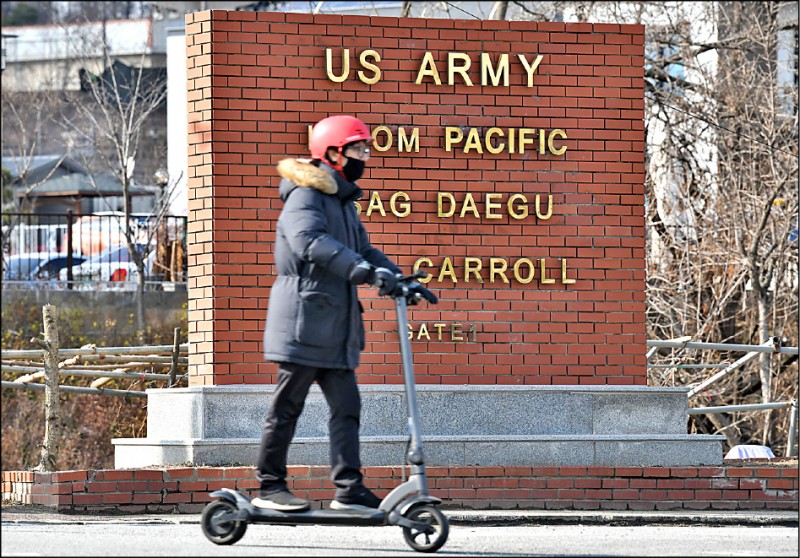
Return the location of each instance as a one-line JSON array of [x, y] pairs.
[[418, 264], [428, 68], [452, 69], [376, 144], [472, 265], [405, 206], [423, 330], [377, 71], [530, 68], [523, 208], [375, 203], [455, 330], [518, 276], [469, 205], [473, 141], [345, 65], [500, 72], [491, 205], [541, 141], [564, 280], [553, 134], [498, 266], [441, 196], [549, 208], [452, 135], [524, 139], [404, 144], [543, 275], [447, 270], [489, 147]]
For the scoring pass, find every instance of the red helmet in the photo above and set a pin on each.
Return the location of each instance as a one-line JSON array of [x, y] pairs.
[[336, 131]]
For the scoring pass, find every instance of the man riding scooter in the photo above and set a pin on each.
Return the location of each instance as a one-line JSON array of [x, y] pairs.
[[314, 329]]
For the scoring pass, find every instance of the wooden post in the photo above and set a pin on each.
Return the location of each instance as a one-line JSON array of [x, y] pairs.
[[176, 352], [52, 409]]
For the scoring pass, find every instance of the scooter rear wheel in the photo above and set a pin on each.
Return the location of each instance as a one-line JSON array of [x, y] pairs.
[[216, 528], [433, 535]]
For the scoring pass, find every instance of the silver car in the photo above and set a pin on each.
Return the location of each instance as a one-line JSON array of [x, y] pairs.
[[113, 268]]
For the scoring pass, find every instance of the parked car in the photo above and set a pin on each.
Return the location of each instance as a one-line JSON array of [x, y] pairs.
[[33, 268], [20, 266], [50, 269], [113, 268]]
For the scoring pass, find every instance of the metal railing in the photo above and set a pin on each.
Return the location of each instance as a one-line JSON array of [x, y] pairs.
[[67, 250], [772, 346]]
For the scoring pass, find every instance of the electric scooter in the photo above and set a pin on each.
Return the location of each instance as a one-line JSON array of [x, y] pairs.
[[425, 528]]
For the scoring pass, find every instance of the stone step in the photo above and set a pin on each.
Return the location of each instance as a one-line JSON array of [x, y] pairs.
[[486, 450], [211, 412]]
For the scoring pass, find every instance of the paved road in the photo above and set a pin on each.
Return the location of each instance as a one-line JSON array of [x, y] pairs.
[[165, 536]]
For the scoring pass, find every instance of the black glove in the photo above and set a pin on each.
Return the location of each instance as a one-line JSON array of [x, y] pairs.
[[365, 272], [385, 280], [417, 289], [362, 273]]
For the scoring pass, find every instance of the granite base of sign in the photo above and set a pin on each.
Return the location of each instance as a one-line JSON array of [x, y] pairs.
[[461, 425]]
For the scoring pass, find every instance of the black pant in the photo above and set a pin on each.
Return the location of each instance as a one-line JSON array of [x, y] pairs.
[[341, 392]]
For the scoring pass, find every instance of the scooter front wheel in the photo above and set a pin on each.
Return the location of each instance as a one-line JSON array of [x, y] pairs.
[[217, 527], [432, 530]]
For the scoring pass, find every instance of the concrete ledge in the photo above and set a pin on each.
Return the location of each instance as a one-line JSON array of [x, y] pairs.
[[239, 411], [554, 450], [461, 425]]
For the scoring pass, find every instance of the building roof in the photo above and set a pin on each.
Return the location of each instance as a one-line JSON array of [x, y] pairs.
[[123, 80], [16, 165], [63, 176]]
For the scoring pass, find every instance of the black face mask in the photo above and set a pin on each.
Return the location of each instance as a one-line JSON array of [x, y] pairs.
[[354, 169]]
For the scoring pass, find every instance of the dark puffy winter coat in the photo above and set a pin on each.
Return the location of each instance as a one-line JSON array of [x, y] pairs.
[[314, 316]]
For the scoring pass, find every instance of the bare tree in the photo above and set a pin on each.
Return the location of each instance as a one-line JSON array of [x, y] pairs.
[[722, 190], [499, 10], [759, 166], [721, 179], [114, 112], [28, 119]]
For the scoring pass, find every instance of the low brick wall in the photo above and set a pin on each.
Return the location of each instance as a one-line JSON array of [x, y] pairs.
[[186, 489]]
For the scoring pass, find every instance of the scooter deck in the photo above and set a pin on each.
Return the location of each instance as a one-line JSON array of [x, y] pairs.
[[322, 517]]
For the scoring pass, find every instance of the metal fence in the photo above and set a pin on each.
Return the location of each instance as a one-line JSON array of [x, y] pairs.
[[772, 346], [90, 252]]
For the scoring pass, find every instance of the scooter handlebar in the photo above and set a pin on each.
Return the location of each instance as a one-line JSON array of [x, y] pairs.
[[408, 287], [413, 277]]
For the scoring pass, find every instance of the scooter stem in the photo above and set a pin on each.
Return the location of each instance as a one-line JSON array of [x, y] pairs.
[[415, 456]]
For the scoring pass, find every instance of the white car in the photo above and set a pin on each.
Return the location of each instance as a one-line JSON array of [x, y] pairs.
[[113, 268]]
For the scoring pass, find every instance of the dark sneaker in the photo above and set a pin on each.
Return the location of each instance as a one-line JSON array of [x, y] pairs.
[[364, 501], [280, 501]]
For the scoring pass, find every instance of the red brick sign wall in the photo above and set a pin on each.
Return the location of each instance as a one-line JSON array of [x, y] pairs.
[[508, 162]]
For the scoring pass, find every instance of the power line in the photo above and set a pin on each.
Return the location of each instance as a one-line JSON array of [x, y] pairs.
[[461, 10], [721, 127]]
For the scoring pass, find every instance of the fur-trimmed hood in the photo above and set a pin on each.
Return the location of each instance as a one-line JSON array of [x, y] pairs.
[[302, 173], [314, 317]]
